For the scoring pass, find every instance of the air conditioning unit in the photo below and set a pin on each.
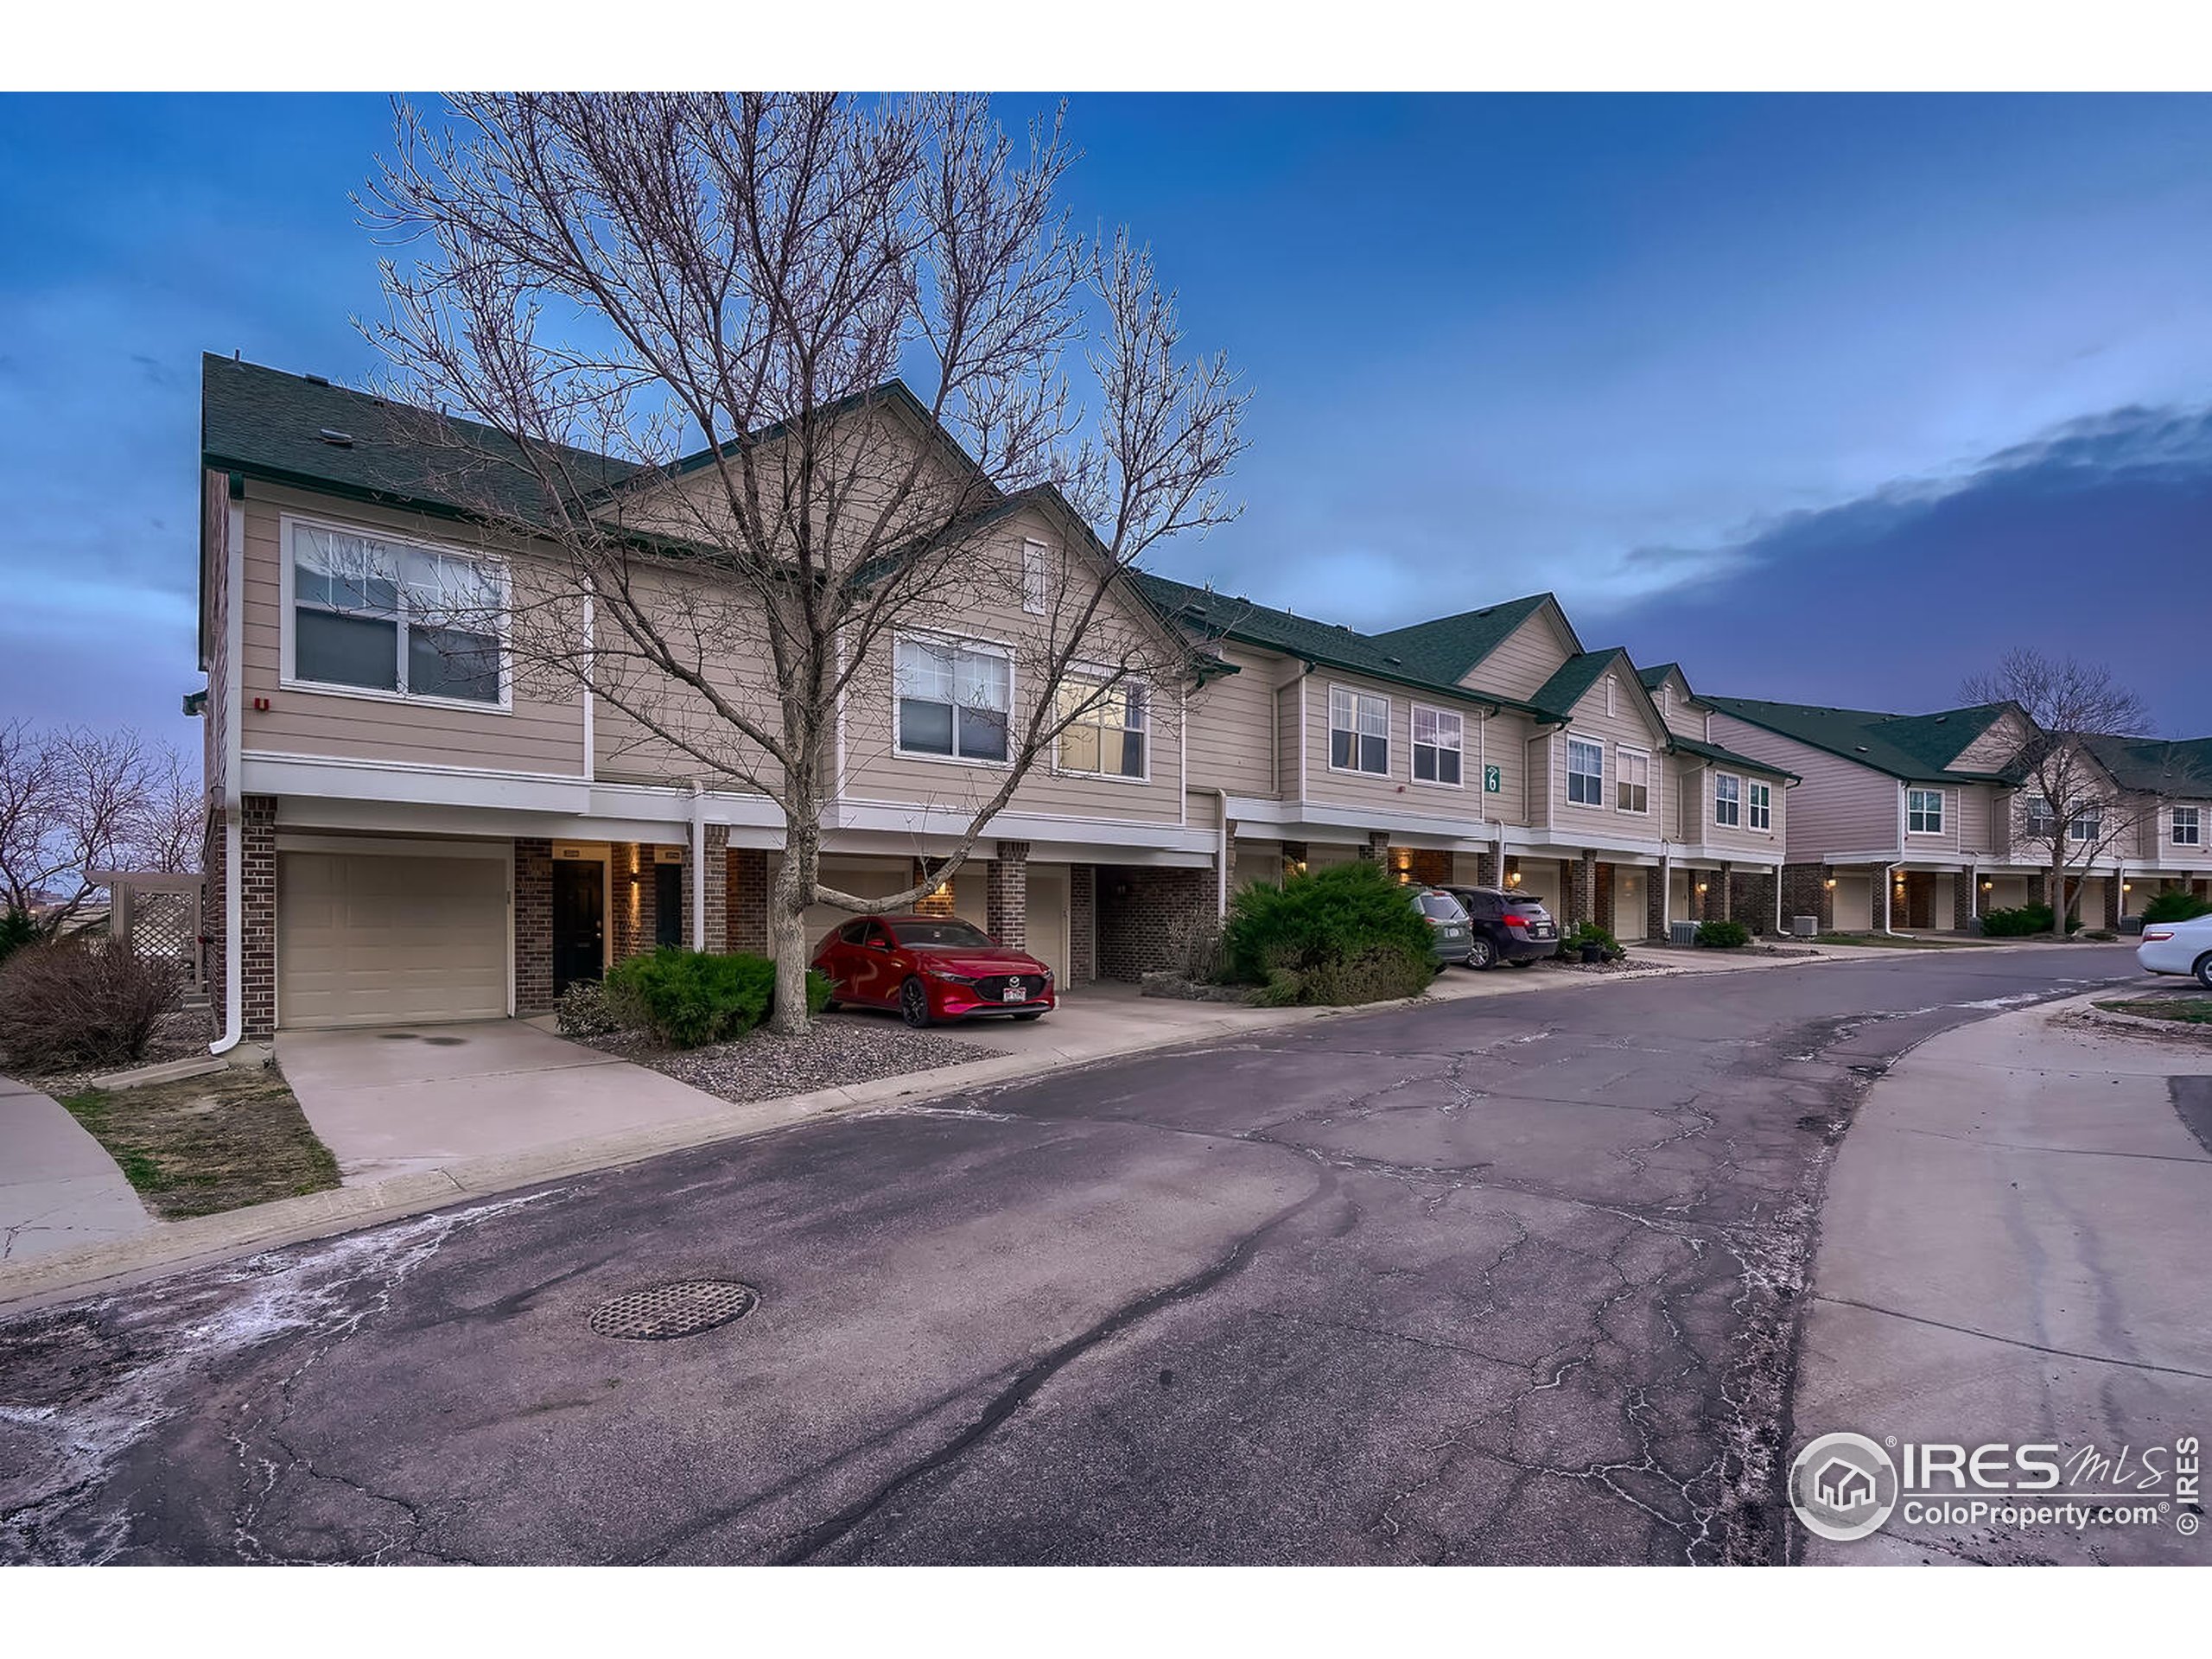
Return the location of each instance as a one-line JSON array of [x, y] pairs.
[[1804, 927], [1682, 932]]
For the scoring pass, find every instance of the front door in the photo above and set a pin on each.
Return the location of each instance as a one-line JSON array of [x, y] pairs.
[[579, 922]]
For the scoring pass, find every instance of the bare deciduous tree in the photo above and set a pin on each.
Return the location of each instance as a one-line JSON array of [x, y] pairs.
[[73, 801], [733, 500], [2075, 811]]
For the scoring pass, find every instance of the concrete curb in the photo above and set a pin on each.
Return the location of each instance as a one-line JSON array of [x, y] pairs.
[[172, 1247]]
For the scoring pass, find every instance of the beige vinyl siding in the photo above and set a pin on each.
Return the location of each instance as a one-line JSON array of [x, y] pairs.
[[1995, 747], [1684, 717], [1628, 726], [1840, 807], [876, 772], [1538, 751], [1976, 804], [1230, 731], [1457, 811], [215, 529], [542, 733], [643, 701], [1524, 659], [1501, 741], [1945, 842], [1289, 701]]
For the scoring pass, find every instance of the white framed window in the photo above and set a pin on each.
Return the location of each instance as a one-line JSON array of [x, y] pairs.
[[1632, 781], [1761, 804], [1359, 732], [1034, 577], [2185, 829], [1438, 736], [1104, 736], [2086, 824], [377, 615], [954, 697], [1585, 772], [1923, 811], [1728, 798], [2040, 820]]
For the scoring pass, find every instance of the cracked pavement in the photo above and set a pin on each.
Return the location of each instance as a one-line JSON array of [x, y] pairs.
[[1511, 1278]]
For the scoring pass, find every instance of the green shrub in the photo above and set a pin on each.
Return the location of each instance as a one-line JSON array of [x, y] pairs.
[[586, 1010], [690, 998], [1345, 934], [2018, 923], [1572, 941], [2178, 905], [16, 930], [1722, 936]]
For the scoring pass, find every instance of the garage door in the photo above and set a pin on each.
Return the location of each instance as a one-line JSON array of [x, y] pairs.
[[367, 939], [1047, 921]]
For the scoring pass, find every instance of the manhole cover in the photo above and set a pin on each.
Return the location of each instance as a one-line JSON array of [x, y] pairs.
[[667, 1311]]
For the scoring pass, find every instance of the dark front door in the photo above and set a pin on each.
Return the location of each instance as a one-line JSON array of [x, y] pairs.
[[579, 922], [668, 903]]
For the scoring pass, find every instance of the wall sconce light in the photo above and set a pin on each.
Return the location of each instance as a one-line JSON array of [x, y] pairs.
[[1513, 878], [1701, 886], [1404, 875], [1301, 866], [1989, 886], [2128, 887], [1829, 884]]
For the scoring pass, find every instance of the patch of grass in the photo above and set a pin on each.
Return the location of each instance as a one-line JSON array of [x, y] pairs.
[[2188, 1010], [1942, 942], [204, 1145]]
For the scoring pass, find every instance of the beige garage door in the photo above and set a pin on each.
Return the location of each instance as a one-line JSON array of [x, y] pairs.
[[1854, 904], [1047, 928], [367, 939]]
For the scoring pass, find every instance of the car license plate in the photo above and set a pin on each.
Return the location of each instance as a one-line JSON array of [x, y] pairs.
[[1539, 933], [1013, 993], [1455, 933]]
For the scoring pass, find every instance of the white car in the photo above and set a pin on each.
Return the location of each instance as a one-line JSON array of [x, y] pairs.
[[2178, 948]]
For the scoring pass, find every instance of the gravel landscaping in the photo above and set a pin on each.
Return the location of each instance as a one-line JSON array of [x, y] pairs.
[[1628, 965], [181, 1034], [840, 1049]]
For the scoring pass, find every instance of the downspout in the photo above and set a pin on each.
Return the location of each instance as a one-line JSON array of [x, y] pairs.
[[1889, 910], [1221, 852], [233, 791], [698, 865]]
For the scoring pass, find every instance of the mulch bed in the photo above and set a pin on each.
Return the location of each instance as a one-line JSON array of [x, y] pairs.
[[1630, 963], [840, 1049], [208, 1144]]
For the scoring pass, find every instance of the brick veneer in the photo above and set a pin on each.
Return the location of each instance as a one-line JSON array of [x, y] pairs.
[[1750, 899], [1486, 869], [257, 915], [747, 888], [1602, 898], [1429, 868], [1006, 895], [533, 925], [1083, 924], [1805, 892], [932, 904], [1145, 918], [1377, 845], [1963, 895], [1581, 888], [716, 886], [1654, 904], [2111, 885], [213, 919], [1877, 897]]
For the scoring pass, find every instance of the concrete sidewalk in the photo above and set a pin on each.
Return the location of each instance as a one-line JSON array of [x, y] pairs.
[[59, 1189], [2013, 1249], [389, 1176]]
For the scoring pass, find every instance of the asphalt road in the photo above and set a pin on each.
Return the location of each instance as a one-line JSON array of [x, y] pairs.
[[1505, 1279]]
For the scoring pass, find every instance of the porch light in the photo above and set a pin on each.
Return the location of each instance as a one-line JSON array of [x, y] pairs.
[[1701, 886], [2128, 887], [1829, 884], [1989, 886], [1513, 878]]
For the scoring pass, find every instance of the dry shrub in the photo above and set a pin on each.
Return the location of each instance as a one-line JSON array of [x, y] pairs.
[[82, 1003]]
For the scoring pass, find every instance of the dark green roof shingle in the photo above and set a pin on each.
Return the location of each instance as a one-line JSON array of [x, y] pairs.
[[1918, 748], [1449, 648], [2157, 765]]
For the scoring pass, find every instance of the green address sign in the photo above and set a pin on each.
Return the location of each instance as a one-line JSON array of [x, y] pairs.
[[1492, 782]]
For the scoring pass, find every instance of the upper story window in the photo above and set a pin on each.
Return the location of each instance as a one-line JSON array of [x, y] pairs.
[[955, 698], [1034, 577], [1585, 772], [1359, 731], [1728, 798], [2041, 820], [1632, 786], [2086, 824], [1438, 733], [1105, 730], [1923, 811], [2185, 829], [389, 618], [1761, 804]]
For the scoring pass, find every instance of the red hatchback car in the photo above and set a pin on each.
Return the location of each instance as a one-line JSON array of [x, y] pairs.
[[931, 968]]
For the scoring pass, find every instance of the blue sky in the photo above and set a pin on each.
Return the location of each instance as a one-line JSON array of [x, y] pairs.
[[1830, 398]]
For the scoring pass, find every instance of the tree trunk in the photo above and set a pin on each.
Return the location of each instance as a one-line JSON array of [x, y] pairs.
[[788, 904], [2058, 895]]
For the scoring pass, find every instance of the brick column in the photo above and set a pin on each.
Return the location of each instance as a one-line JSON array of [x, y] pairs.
[[1654, 904], [1581, 888], [2112, 901], [747, 887], [258, 914], [715, 879], [932, 904], [2039, 887], [1727, 899], [1602, 903], [1805, 892], [1083, 924], [1963, 897], [214, 942], [1878, 888], [533, 925], [1377, 848], [1487, 869], [1006, 903]]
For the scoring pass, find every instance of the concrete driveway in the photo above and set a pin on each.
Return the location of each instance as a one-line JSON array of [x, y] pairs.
[[394, 1100]]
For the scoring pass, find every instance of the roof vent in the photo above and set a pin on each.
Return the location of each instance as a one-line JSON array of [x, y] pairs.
[[1861, 747], [1394, 661], [316, 379], [1486, 610], [331, 435]]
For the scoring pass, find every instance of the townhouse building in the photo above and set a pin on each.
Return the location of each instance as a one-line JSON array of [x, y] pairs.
[[2164, 788], [395, 838]]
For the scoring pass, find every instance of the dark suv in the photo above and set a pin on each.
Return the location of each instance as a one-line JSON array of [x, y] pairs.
[[1512, 927]]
